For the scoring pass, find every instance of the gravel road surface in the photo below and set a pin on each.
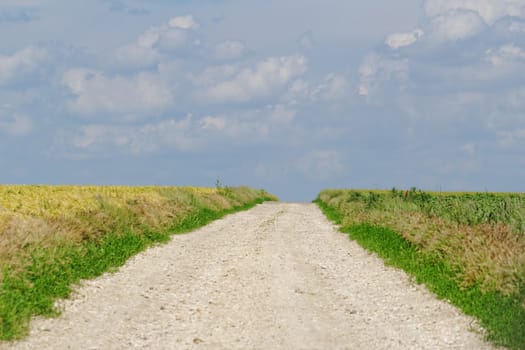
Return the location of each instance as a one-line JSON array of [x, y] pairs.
[[278, 276]]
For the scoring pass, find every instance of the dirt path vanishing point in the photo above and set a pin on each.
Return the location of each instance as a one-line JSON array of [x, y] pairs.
[[276, 277]]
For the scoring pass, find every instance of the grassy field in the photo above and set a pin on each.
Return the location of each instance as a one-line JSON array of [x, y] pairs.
[[51, 237], [468, 248]]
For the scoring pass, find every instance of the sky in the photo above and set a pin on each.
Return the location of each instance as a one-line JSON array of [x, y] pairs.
[[292, 96]]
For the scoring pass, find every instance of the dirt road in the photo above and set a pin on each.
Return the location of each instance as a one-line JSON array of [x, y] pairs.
[[276, 277]]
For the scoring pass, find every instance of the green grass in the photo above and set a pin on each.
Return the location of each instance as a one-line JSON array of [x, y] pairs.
[[502, 316], [52, 271], [459, 207], [479, 232]]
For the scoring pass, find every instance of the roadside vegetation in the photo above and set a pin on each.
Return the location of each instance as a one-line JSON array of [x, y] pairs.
[[51, 237], [468, 248]]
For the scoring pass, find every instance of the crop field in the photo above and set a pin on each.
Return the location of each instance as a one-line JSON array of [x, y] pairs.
[[53, 236], [468, 248]]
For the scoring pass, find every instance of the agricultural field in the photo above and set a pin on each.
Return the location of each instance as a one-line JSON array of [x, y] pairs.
[[468, 248], [53, 236]]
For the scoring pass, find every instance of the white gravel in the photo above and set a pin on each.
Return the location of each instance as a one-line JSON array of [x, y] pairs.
[[276, 277]]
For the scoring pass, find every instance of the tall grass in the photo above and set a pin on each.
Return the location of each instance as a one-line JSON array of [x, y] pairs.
[[468, 208], [52, 237], [468, 248]]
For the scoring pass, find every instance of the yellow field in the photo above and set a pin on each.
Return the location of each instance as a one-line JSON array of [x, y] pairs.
[[50, 215]]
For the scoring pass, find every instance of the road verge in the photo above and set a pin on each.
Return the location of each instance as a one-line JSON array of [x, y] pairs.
[[503, 317], [86, 243]]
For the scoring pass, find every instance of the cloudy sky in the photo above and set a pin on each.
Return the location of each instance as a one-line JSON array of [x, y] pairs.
[[290, 95]]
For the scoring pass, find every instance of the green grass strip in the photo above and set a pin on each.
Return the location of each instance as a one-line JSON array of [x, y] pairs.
[[502, 316], [34, 290]]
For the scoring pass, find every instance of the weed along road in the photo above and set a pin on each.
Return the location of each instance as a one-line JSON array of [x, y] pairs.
[[278, 276]]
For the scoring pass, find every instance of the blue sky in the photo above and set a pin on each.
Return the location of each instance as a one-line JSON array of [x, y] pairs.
[[291, 96]]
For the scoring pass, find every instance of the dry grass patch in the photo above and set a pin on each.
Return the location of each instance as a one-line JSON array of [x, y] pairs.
[[53, 236], [34, 217], [489, 255]]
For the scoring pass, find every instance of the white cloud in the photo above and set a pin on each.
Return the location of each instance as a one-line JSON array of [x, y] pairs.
[[489, 10], [251, 125], [213, 75], [509, 139], [217, 123], [266, 78], [281, 114], [183, 22], [334, 88], [504, 54], [321, 165], [173, 39], [517, 27], [20, 63], [143, 139], [229, 50], [16, 125], [398, 40], [297, 91], [376, 69], [140, 94], [163, 37], [456, 25], [150, 46], [135, 56], [460, 19], [469, 148], [150, 37], [426, 76], [187, 134]]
